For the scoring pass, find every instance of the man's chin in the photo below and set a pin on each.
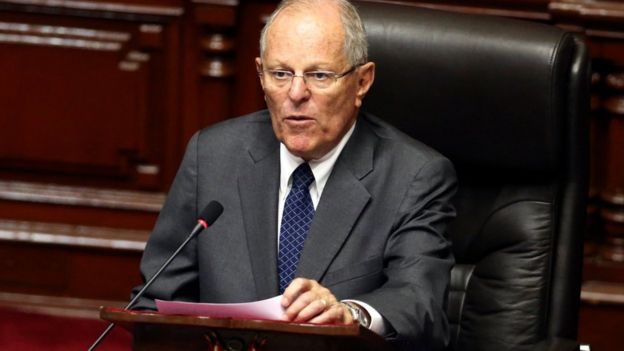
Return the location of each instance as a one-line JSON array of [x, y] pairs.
[[300, 149]]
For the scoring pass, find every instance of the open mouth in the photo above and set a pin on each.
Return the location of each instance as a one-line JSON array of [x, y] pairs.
[[298, 118]]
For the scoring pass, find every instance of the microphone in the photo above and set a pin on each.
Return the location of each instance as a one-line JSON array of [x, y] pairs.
[[209, 215]]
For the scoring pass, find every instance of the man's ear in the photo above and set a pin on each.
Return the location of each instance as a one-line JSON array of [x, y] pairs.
[[366, 76], [259, 70]]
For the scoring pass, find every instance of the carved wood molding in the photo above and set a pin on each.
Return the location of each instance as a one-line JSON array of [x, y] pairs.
[[100, 6], [59, 36], [133, 60], [600, 19], [148, 36], [571, 14], [613, 103], [70, 32], [584, 10], [533, 10], [217, 67], [597, 292], [85, 39], [151, 36], [216, 20], [218, 49], [217, 43], [81, 196], [614, 197], [73, 235], [612, 192]]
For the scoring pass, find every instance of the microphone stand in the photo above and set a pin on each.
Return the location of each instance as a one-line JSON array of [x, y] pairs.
[[198, 228]]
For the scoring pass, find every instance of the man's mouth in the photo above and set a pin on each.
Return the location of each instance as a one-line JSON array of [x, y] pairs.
[[299, 118], [298, 121]]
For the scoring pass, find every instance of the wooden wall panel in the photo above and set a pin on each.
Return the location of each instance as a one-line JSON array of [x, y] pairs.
[[89, 94], [90, 103], [70, 272], [65, 98], [535, 10]]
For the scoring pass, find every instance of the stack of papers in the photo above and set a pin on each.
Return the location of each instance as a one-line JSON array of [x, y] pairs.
[[269, 309]]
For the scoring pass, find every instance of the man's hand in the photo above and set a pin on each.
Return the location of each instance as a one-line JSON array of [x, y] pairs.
[[307, 301]]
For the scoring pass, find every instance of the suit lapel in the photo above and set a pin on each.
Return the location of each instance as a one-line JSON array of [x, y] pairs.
[[258, 186], [342, 201]]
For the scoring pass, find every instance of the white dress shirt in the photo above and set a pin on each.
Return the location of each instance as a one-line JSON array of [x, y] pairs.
[[321, 168]]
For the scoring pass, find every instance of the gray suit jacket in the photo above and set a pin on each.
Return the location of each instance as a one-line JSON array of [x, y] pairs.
[[377, 234]]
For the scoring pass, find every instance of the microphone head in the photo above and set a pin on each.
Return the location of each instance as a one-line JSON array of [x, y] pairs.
[[211, 212]]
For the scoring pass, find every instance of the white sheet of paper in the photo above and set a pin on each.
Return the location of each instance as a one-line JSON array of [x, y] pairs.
[[269, 309]]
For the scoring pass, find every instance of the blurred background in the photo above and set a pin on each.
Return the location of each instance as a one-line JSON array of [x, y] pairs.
[[97, 102]]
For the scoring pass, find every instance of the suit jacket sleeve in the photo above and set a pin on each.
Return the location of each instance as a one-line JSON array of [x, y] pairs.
[[418, 260], [176, 220]]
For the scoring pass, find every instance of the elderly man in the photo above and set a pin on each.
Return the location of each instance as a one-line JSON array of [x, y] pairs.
[[334, 208]]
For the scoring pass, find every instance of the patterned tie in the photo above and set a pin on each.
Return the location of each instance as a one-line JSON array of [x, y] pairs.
[[296, 220]]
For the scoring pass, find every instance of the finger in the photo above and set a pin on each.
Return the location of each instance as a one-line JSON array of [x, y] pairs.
[[300, 304], [335, 314], [311, 311], [305, 299], [297, 287]]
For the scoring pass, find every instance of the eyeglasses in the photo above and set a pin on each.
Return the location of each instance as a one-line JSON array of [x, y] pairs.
[[280, 78]]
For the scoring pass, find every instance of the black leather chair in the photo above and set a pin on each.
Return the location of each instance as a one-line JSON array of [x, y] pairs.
[[507, 102]]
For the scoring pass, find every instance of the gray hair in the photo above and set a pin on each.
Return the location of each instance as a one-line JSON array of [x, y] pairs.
[[355, 43]]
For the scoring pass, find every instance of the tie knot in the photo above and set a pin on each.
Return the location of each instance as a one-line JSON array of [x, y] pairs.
[[302, 176]]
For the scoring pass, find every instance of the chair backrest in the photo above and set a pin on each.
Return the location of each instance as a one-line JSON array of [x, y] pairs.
[[506, 101]]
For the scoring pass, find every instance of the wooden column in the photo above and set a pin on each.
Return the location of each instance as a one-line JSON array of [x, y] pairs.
[[612, 194], [209, 69]]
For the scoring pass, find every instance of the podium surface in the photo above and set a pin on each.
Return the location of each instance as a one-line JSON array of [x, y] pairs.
[[154, 331]]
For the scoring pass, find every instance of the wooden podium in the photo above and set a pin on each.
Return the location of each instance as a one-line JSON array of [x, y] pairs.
[[155, 332]]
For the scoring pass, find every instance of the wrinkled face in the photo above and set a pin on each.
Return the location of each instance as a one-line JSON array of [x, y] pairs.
[[310, 121]]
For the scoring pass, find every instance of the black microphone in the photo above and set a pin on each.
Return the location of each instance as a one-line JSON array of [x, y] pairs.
[[211, 212]]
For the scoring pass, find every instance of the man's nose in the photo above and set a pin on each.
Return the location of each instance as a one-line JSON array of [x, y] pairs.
[[298, 89]]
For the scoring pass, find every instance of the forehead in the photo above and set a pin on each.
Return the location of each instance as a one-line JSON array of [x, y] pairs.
[[306, 36]]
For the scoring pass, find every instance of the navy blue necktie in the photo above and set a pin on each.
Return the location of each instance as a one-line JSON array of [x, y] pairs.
[[296, 219]]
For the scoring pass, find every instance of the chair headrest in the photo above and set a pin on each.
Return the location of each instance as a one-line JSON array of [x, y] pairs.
[[464, 83]]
